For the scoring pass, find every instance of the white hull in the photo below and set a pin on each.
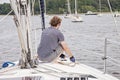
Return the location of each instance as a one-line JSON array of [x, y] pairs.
[[116, 15], [54, 71], [90, 13], [77, 19]]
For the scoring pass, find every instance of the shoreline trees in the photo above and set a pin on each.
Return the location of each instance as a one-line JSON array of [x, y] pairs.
[[60, 7]]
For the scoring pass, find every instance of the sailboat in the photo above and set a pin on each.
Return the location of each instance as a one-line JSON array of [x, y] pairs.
[[28, 68], [90, 13], [68, 13], [116, 14], [76, 17], [94, 13]]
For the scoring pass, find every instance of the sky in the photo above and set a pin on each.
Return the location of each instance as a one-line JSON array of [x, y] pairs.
[[2, 1]]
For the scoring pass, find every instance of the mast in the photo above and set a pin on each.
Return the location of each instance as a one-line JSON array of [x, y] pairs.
[[42, 10], [45, 6], [75, 7], [100, 6], [69, 9], [33, 3], [22, 11], [22, 16]]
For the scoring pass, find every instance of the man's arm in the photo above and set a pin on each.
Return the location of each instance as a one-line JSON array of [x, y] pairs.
[[66, 48]]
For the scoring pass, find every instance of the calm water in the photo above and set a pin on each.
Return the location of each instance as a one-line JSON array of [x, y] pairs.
[[86, 40]]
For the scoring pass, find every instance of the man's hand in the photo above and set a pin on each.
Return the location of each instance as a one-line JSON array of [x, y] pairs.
[[72, 59]]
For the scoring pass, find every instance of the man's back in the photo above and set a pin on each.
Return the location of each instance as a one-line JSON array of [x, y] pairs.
[[49, 41]]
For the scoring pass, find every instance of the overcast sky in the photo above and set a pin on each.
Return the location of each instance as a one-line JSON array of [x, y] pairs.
[[2, 1]]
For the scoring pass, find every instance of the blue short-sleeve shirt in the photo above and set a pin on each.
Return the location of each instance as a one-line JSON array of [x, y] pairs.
[[50, 40]]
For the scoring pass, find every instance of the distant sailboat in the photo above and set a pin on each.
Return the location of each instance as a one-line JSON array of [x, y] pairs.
[[116, 14], [94, 13], [76, 18], [90, 13]]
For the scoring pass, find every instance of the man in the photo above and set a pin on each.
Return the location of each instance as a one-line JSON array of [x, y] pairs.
[[52, 43]]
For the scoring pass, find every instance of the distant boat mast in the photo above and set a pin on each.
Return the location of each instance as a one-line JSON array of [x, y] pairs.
[[69, 9], [100, 6], [75, 7]]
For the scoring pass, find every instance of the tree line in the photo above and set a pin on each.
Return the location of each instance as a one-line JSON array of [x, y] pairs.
[[60, 6]]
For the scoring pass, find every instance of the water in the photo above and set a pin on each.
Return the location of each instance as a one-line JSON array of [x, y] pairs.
[[86, 40]]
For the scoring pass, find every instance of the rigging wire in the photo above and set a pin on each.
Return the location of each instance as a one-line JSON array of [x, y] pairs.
[[89, 51], [109, 4], [6, 16]]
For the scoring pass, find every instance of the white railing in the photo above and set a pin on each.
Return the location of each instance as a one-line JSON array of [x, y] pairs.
[[116, 62], [105, 57]]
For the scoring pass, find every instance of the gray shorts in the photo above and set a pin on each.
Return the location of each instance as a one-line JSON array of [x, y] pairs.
[[54, 55]]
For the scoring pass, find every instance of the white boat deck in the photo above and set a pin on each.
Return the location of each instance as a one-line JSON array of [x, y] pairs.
[[55, 71]]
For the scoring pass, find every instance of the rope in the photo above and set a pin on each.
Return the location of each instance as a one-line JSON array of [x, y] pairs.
[[114, 61], [6, 16], [115, 42], [28, 56]]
